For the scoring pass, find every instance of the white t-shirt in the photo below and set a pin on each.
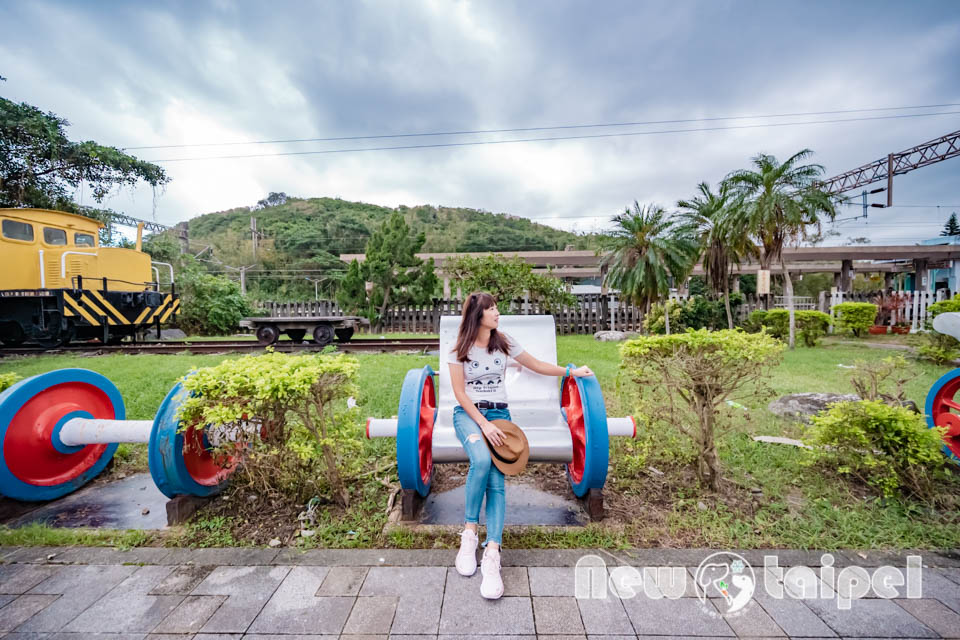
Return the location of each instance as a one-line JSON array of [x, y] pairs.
[[483, 372]]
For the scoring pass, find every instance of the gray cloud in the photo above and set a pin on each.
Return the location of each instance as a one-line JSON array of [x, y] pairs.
[[186, 72]]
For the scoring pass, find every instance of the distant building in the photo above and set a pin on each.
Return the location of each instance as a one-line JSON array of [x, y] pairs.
[[946, 277]]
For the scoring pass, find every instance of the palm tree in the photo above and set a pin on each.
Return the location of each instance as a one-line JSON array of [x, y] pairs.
[[722, 243], [645, 250], [781, 202]]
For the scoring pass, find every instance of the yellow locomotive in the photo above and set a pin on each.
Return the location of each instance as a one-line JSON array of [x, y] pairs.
[[57, 283]]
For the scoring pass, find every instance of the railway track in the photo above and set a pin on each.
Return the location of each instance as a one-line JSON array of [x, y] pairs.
[[372, 345]]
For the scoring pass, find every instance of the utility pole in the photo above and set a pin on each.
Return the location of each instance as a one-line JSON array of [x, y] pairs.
[[183, 234], [253, 231]]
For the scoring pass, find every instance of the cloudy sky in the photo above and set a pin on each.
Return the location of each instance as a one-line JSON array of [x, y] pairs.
[[135, 74]]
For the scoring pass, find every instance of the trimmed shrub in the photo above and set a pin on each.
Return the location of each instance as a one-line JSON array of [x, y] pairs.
[[856, 316], [811, 325], [699, 371], [887, 448], [8, 380]]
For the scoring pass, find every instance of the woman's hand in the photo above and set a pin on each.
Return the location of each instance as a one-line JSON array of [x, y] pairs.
[[580, 372], [493, 433]]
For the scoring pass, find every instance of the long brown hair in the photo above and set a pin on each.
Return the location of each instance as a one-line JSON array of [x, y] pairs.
[[473, 308]]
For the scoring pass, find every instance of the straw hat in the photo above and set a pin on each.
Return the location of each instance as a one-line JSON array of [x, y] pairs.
[[511, 456]]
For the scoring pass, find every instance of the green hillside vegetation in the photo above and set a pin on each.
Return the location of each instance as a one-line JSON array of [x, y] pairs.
[[305, 237]]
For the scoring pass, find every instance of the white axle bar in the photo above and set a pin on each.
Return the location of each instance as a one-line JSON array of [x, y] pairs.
[[81, 431], [387, 427]]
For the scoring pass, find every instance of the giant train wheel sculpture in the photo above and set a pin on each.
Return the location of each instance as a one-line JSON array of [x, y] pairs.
[[943, 410], [416, 416], [58, 430], [586, 415]]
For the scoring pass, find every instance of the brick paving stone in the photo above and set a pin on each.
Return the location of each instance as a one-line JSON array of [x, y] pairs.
[[15, 613], [80, 587], [420, 590], [371, 615], [683, 616], [604, 615], [109, 555], [515, 582], [249, 588], [4, 599], [935, 584], [875, 617], [182, 580], [934, 614], [190, 615], [35, 555], [473, 614], [458, 636], [128, 608], [953, 575], [794, 617], [551, 581], [20, 578], [293, 607], [343, 581], [231, 557], [556, 615]]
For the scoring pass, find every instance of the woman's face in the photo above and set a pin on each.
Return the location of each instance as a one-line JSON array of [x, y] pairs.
[[490, 318]]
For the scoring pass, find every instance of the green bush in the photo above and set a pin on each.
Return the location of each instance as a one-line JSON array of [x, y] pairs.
[[303, 440], [210, 304], [8, 380], [937, 347], [696, 312], [856, 316], [943, 306], [755, 321], [699, 371], [885, 447], [811, 325]]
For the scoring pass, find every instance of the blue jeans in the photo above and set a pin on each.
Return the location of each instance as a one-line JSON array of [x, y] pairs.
[[484, 476]]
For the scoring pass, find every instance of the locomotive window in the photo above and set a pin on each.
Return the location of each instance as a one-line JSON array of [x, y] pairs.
[[83, 239], [17, 230], [54, 236]]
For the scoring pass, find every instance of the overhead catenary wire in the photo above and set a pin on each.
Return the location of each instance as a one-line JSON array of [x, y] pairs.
[[528, 129], [474, 143]]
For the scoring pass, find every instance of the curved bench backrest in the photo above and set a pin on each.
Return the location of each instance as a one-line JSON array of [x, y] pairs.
[[945, 323], [525, 389]]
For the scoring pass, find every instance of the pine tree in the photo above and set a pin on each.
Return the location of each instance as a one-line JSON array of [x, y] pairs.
[[392, 263], [952, 228]]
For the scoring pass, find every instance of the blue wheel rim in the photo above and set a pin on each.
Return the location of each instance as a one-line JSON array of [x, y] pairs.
[[597, 446], [166, 451], [15, 397], [408, 431], [928, 408]]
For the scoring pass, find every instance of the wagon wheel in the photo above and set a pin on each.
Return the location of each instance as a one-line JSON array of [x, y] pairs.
[[582, 402], [183, 462], [267, 334], [943, 410], [296, 335], [11, 333], [323, 334], [343, 335], [34, 465], [415, 418]]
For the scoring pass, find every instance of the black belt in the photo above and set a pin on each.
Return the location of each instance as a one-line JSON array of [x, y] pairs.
[[486, 404]]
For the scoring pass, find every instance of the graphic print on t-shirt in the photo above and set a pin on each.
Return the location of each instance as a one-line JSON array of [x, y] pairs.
[[484, 372]]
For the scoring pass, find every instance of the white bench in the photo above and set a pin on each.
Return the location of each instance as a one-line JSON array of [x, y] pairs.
[[569, 426]]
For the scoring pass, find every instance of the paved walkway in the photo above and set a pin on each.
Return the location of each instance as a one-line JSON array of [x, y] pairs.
[[209, 594]]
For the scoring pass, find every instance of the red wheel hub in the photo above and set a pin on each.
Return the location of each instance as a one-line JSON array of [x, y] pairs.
[[944, 408], [428, 405], [28, 450], [572, 404], [201, 463]]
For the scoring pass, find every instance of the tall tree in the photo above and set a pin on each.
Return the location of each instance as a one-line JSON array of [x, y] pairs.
[[394, 268], [952, 228], [782, 200], [645, 251], [40, 167], [722, 243], [352, 292]]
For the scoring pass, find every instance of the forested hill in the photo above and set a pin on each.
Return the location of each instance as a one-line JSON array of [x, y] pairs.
[[316, 231]]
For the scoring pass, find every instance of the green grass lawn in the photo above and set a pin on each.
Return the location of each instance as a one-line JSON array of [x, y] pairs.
[[799, 508]]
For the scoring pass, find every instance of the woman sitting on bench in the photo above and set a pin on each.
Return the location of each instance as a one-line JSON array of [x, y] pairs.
[[478, 364]]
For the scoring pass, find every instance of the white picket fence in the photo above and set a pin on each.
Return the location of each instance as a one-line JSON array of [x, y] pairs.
[[915, 311]]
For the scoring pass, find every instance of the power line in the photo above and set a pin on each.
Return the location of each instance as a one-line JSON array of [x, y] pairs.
[[527, 129], [554, 138]]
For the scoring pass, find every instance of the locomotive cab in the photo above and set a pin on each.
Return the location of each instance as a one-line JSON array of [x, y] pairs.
[[57, 283]]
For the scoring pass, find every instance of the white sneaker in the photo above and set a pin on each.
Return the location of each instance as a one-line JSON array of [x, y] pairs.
[[466, 562], [492, 585]]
